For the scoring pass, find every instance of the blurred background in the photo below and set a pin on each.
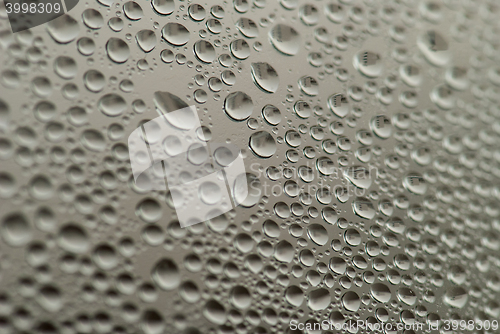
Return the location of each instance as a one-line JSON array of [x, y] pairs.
[[370, 136]]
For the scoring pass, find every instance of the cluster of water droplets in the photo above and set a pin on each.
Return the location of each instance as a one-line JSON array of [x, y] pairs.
[[370, 134]]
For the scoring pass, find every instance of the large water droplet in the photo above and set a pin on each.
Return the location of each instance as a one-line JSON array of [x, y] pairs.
[[294, 295], [175, 33], [247, 190], [73, 238], [285, 39], [63, 29], [456, 297], [163, 7], [338, 104], [240, 297], [271, 114], [319, 299], [112, 105], [415, 183], [205, 51], [166, 274], [265, 77], [65, 67], [118, 51], [434, 48], [166, 102], [240, 49], [318, 234], [284, 251], [359, 176], [381, 126], [238, 106], [262, 144], [15, 230], [94, 81], [363, 207], [247, 27], [92, 18], [214, 312], [309, 86], [146, 39], [407, 296], [351, 301], [197, 12], [368, 63], [380, 292], [133, 10]]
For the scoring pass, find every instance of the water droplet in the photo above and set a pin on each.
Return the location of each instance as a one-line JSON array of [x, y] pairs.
[[318, 299], [262, 144], [415, 183], [163, 7], [309, 86], [293, 138], [214, 312], [352, 237], [302, 109], [407, 296], [247, 190], [410, 75], [359, 176], [338, 105], [284, 251], [133, 10], [16, 230], [175, 33], [368, 63], [40, 187], [197, 12], [309, 14], [294, 296], [240, 297], [271, 114], [456, 297], [434, 48], [146, 39], [105, 257], [240, 49], [317, 234], [204, 51], [238, 106], [380, 292], [95, 82], [381, 126], [265, 77], [73, 238], [117, 50], [285, 39], [86, 46], [165, 274], [63, 29], [364, 208], [166, 102], [351, 301], [93, 140], [65, 67], [443, 97], [92, 18]]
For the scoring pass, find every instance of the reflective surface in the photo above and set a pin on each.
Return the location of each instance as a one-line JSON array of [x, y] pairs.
[[369, 129]]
